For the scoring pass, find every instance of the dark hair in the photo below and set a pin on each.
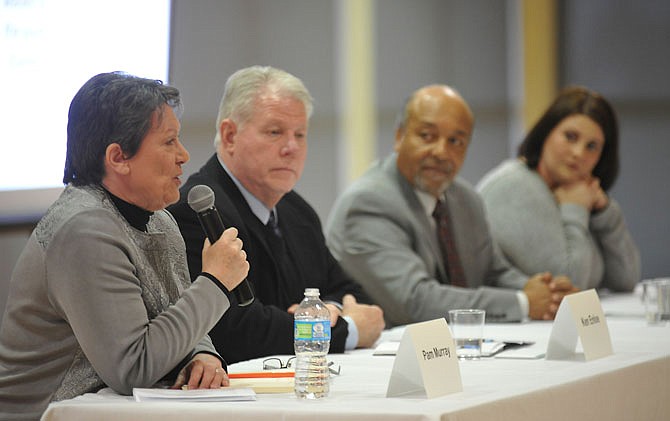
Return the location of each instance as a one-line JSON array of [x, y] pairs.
[[110, 108], [570, 101]]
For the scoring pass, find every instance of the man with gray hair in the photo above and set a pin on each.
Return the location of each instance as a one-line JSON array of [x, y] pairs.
[[261, 146]]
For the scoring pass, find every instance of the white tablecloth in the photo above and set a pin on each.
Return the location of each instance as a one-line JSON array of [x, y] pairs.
[[633, 383]]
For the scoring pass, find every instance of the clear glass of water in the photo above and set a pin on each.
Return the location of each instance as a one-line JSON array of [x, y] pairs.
[[656, 298], [467, 329]]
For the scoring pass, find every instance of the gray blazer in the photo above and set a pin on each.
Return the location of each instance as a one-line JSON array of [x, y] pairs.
[[383, 238]]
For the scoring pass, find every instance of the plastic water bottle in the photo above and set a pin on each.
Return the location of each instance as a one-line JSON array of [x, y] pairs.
[[311, 345]]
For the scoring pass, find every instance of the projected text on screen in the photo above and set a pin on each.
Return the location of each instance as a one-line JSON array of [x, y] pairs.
[[48, 49]]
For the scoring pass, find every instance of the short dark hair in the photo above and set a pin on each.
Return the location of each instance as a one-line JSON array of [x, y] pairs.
[[578, 100], [110, 108]]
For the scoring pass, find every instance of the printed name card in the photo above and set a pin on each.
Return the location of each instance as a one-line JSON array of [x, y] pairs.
[[580, 316], [426, 363]]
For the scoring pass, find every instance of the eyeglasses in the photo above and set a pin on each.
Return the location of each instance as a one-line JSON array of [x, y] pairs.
[[275, 363], [332, 369]]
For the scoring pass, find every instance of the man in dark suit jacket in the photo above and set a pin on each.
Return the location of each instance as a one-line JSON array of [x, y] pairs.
[[261, 148]]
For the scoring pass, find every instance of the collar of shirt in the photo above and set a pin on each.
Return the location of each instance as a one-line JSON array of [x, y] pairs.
[[428, 202], [257, 207]]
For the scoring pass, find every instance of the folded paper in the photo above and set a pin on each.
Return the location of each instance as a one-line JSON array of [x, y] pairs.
[[580, 316], [426, 364]]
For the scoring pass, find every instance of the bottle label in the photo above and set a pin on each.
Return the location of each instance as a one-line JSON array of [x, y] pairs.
[[312, 330]]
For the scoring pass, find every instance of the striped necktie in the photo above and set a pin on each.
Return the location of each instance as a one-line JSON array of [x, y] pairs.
[[447, 245]]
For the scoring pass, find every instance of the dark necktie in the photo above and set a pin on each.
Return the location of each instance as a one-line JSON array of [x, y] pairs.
[[274, 237], [447, 245], [273, 225]]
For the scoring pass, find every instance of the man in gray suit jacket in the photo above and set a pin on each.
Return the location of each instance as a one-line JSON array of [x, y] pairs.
[[382, 232]]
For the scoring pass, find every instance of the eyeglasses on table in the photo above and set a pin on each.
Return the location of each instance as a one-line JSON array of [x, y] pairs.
[[275, 363]]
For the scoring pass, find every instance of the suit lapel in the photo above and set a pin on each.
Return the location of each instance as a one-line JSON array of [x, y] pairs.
[[294, 236], [417, 216]]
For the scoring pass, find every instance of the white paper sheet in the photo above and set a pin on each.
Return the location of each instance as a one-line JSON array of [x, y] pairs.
[[223, 394]]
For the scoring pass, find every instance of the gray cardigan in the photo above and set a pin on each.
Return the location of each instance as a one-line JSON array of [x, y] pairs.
[[95, 302], [536, 234]]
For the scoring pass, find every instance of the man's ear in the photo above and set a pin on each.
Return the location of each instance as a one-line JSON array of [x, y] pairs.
[[115, 159], [399, 134], [227, 131]]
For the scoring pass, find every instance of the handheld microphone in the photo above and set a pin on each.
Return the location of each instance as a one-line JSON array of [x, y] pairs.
[[201, 200]]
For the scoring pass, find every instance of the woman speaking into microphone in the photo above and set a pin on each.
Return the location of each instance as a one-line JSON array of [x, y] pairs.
[[101, 295]]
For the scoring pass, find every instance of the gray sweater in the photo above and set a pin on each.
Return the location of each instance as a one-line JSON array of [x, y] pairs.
[[95, 302], [537, 234]]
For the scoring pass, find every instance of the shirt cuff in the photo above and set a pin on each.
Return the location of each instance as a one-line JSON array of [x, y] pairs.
[[352, 335], [336, 304], [523, 303]]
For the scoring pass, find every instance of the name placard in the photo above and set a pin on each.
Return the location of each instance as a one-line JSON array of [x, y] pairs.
[[580, 316], [426, 363]]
